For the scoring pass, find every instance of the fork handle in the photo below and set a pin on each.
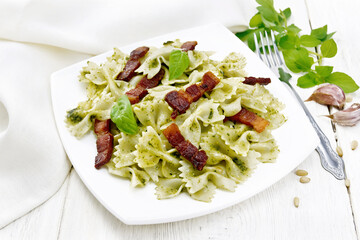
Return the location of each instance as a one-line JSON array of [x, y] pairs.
[[330, 160]]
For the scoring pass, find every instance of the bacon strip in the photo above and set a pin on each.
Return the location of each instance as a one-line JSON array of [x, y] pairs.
[[104, 142], [197, 157], [188, 46], [140, 91], [132, 64], [254, 80], [249, 118], [180, 100]]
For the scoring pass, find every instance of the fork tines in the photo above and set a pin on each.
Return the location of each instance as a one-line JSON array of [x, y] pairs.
[[270, 50]]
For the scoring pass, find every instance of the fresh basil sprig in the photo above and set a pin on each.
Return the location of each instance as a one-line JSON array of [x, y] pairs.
[[178, 63], [122, 115], [295, 47]]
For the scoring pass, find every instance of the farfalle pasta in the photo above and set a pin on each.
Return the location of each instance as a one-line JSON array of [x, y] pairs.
[[233, 149]]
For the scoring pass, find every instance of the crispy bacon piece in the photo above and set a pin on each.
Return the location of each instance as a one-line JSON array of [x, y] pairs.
[[249, 118], [254, 80], [173, 135], [132, 64], [185, 147], [209, 81], [136, 94], [180, 100], [104, 142], [140, 91], [138, 53], [188, 46]]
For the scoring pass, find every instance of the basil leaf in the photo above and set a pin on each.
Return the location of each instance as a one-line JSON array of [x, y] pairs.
[[328, 48], [284, 76], [309, 41], [308, 80], [243, 36], [344, 81], [329, 36], [324, 71], [294, 29], [287, 12], [251, 42], [268, 14], [179, 62], [298, 60], [320, 33], [256, 21], [288, 41], [266, 3], [122, 115]]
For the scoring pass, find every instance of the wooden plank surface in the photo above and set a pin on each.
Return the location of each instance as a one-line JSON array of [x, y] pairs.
[[325, 211], [343, 18]]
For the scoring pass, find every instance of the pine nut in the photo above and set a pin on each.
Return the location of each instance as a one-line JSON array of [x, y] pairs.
[[354, 144], [339, 151], [296, 202], [347, 183], [301, 172], [304, 179]]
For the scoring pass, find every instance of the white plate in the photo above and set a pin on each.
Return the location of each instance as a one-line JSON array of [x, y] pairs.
[[296, 139]]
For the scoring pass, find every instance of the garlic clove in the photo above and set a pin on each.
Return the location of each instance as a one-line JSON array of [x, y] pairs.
[[347, 117], [329, 94]]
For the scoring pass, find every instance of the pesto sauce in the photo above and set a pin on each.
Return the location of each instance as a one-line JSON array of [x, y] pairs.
[[73, 116], [241, 165]]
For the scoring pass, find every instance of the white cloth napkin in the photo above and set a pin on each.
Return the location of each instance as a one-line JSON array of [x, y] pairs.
[[33, 162]]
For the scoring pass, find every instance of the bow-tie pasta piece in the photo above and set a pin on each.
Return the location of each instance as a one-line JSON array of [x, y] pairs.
[[79, 119], [169, 188], [153, 60], [233, 65], [138, 177], [125, 151], [154, 115], [198, 180]]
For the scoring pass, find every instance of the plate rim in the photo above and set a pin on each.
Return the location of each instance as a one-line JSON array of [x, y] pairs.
[[129, 221]]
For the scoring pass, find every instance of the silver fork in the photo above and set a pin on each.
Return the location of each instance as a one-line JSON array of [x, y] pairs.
[[330, 160]]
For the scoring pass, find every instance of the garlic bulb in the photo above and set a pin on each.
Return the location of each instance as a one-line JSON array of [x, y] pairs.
[[347, 117], [329, 94]]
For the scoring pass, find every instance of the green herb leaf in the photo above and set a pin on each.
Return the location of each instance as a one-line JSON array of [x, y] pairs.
[[266, 3], [245, 34], [179, 62], [251, 42], [324, 71], [320, 33], [122, 115], [268, 14], [298, 60], [287, 12], [309, 41], [294, 47], [308, 80], [328, 36], [294, 29], [328, 48], [288, 41], [256, 21], [284, 76], [344, 81]]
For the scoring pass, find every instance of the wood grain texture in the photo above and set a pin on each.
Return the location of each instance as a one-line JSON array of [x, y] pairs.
[[343, 19], [324, 211]]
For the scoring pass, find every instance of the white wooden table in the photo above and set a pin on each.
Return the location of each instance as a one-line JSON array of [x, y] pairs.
[[328, 210]]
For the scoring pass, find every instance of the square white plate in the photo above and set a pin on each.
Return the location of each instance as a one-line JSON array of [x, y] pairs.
[[296, 139]]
